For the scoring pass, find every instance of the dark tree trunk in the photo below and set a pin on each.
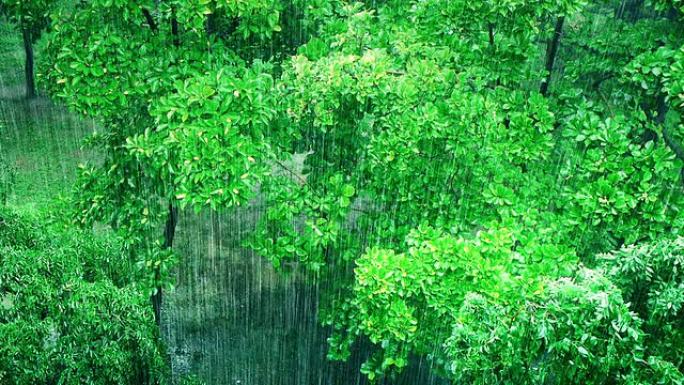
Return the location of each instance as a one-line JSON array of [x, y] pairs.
[[150, 20], [490, 28], [492, 46], [169, 234], [172, 218], [551, 51], [174, 28], [28, 68], [210, 24]]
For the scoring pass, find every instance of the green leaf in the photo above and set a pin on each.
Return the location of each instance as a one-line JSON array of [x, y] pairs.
[[348, 191]]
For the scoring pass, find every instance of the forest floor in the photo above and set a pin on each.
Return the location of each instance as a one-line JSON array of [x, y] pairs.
[[38, 138]]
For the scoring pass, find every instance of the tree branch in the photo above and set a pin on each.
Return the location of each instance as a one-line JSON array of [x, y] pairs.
[[294, 174], [174, 28], [490, 27], [597, 83], [551, 52]]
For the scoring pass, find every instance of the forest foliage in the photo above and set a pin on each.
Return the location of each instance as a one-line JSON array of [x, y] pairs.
[[494, 185], [70, 312]]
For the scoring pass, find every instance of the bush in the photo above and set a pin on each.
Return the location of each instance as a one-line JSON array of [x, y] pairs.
[[62, 318], [651, 277]]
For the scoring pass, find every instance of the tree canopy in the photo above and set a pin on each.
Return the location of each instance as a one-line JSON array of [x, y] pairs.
[[493, 185]]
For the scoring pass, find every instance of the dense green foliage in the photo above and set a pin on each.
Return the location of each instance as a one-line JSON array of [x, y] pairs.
[[28, 15], [494, 185], [186, 115], [448, 133], [652, 281], [69, 313]]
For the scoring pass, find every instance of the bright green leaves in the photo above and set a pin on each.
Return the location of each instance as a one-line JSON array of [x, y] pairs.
[[586, 321], [399, 125], [408, 125], [475, 306], [260, 18], [101, 69], [483, 338], [498, 38], [185, 120], [68, 311], [29, 15], [380, 275], [651, 277], [314, 49], [582, 320], [104, 64], [360, 78], [618, 185], [348, 191], [302, 224], [498, 195], [426, 107], [191, 14], [660, 73], [651, 70], [209, 141], [256, 18], [674, 80], [407, 302]]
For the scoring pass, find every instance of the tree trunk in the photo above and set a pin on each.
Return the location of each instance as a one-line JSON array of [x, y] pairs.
[[551, 51], [490, 29], [28, 68], [174, 28], [169, 234], [150, 20]]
